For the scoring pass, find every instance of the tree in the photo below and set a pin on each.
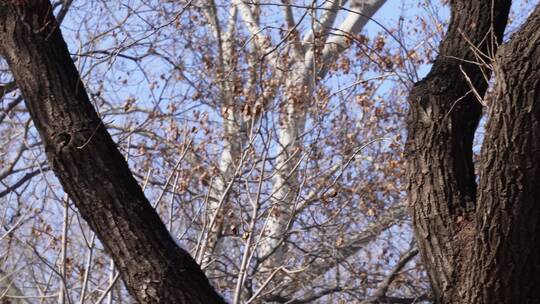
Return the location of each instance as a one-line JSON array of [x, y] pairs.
[[297, 74], [88, 164], [478, 242]]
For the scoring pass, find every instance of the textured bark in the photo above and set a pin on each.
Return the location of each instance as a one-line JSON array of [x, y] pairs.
[[88, 164], [506, 259], [479, 244]]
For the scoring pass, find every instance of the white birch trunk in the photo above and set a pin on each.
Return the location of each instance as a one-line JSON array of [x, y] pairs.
[[233, 135], [232, 149], [299, 92], [285, 188]]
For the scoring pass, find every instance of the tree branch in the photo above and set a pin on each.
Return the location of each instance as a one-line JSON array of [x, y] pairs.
[[89, 165], [359, 15]]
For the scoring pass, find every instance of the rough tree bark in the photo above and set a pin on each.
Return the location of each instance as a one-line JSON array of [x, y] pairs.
[[479, 244], [88, 164], [506, 258]]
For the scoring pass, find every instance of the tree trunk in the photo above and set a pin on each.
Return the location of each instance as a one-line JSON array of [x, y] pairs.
[[285, 182], [234, 139], [479, 245], [88, 163], [506, 257], [299, 88]]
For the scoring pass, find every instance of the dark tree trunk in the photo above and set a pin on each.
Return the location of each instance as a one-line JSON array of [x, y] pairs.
[[88, 163], [506, 256], [444, 114], [478, 246]]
